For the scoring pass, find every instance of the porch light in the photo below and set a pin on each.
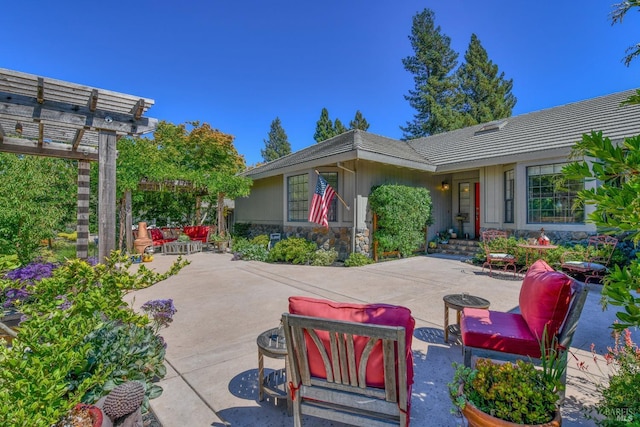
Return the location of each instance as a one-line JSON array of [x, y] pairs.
[[445, 185]]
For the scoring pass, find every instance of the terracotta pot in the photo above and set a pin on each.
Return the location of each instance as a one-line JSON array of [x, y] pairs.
[[94, 413], [143, 240], [477, 418]]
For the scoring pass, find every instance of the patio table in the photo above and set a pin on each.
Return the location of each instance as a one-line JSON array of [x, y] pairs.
[[182, 248], [271, 343], [458, 302]]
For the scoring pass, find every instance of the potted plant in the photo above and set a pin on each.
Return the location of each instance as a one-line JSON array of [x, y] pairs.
[[497, 393], [443, 237]]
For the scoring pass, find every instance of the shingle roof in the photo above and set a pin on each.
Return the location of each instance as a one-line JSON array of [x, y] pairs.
[[557, 127], [553, 128], [354, 144]]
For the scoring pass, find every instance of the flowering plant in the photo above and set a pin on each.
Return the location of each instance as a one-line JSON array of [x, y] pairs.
[[25, 276], [620, 402], [161, 312]]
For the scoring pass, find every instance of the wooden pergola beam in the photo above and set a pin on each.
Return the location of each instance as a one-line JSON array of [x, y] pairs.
[[54, 118]]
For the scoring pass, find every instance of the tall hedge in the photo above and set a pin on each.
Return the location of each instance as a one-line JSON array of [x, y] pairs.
[[403, 212]]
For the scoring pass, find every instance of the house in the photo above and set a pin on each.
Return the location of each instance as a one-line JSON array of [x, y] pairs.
[[492, 175]]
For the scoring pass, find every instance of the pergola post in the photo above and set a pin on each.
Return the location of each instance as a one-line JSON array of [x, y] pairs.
[[82, 228], [106, 193]]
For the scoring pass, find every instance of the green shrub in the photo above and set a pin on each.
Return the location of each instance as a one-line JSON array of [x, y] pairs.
[[295, 250], [242, 229], [324, 258], [8, 262], [403, 213], [357, 259], [50, 366], [126, 352], [249, 251], [262, 239]]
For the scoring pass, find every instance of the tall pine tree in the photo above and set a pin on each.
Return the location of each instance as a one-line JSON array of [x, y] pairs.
[[277, 145], [359, 122], [324, 127], [485, 95], [338, 127], [434, 97]]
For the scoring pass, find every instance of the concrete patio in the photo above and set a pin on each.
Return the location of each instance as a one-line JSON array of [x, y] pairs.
[[223, 305]]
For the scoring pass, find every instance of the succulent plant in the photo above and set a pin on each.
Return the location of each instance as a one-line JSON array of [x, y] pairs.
[[124, 399]]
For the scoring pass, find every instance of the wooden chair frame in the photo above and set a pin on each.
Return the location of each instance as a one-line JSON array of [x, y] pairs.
[[599, 251], [496, 258], [344, 395]]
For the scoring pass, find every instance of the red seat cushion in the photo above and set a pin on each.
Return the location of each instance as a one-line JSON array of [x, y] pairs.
[[545, 297], [377, 314], [498, 331]]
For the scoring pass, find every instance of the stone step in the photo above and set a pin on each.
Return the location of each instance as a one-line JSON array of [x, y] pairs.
[[460, 247]]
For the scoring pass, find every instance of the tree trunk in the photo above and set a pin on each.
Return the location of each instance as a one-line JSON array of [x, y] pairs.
[[222, 229]]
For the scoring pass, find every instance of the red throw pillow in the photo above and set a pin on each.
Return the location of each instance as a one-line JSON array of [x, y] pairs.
[[377, 314], [545, 297]]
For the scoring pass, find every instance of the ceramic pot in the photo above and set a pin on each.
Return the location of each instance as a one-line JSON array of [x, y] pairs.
[[477, 418], [143, 240], [94, 413]]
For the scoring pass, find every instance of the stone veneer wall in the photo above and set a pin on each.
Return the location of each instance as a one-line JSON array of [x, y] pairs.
[[338, 238]]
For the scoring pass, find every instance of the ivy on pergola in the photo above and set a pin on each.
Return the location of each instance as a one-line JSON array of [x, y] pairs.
[[191, 157]]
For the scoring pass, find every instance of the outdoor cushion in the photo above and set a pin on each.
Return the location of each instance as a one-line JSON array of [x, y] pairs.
[[377, 314], [544, 298], [501, 255], [197, 232], [585, 265], [498, 331]]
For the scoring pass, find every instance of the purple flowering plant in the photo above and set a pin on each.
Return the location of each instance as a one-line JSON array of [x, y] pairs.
[[160, 311], [25, 277]]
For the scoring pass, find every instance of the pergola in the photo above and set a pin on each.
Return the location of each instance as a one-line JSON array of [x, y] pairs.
[[47, 117]]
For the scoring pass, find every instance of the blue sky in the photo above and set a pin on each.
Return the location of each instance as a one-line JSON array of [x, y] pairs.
[[238, 65]]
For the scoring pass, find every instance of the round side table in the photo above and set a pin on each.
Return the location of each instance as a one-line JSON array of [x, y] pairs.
[[272, 344], [458, 302]]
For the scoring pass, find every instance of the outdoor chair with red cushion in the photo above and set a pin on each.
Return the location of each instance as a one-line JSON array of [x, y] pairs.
[[494, 243], [348, 362], [197, 232], [158, 237], [595, 265], [548, 299]]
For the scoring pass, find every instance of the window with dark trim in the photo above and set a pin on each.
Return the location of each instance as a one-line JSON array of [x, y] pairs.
[[298, 198], [550, 200], [509, 194]]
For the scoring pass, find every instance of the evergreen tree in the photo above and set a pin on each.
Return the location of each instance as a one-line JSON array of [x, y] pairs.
[[338, 127], [324, 127], [359, 122], [434, 97], [485, 95], [277, 145]]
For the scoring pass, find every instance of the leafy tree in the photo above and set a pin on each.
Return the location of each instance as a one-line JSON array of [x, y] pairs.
[[432, 65], [619, 12], [324, 127], [486, 96], [206, 158], [617, 206], [359, 122], [617, 209], [338, 127], [35, 201], [277, 145]]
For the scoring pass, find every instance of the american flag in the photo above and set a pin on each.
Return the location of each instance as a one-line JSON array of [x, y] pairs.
[[320, 203]]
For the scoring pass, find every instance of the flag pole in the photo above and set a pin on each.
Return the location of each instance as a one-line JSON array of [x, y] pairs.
[[337, 195]]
